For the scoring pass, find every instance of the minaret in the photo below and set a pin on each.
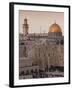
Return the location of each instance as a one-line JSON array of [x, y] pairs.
[[25, 27]]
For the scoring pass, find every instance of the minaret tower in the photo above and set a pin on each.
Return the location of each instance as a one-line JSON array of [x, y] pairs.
[[25, 27]]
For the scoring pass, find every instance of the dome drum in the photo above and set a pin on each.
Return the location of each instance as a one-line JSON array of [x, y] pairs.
[[54, 34]]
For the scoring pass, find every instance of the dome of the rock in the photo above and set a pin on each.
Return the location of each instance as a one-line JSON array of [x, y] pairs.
[[54, 28]]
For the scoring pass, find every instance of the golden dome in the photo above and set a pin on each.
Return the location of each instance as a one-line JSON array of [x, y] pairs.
[[54, 28]]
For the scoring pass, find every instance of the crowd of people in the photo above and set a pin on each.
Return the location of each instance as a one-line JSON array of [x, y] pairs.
[[56, 71]]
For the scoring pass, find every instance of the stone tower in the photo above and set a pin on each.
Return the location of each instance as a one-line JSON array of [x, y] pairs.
[[25, 27]]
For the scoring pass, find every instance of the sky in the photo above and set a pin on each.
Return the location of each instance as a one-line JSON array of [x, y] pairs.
[[40, 21]]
